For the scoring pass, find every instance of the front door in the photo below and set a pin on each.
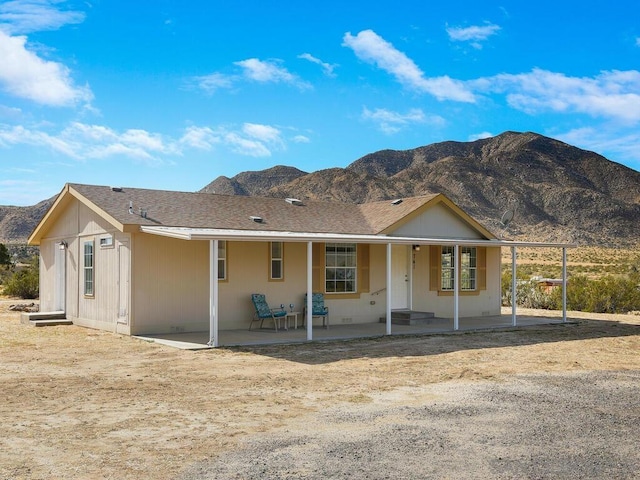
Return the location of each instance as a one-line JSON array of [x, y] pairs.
[[60, 282], [123, 282], [399, 277]]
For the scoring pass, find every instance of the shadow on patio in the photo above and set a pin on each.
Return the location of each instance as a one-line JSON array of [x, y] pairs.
[[369, 340]]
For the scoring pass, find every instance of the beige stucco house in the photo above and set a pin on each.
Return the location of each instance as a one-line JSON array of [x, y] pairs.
[[137, 261]]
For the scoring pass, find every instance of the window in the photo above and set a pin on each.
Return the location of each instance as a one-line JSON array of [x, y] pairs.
[[106, 241], [222, 259], [468, 268], [88, 269], [277, 263], [447, 269], [340, 267]]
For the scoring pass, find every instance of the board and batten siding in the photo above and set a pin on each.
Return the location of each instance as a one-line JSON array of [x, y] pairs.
[[75, 225]]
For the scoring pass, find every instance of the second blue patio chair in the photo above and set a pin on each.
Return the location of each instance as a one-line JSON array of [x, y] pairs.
[[317, 308], [263, 312]]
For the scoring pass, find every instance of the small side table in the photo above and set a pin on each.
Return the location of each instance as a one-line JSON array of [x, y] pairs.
[[293, 316]]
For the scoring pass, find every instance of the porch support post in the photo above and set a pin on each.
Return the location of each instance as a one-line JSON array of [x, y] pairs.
[[308, 307], [456, 287], [213, 293], [388, 282], [410, 279], [514, 294], [564, 284]]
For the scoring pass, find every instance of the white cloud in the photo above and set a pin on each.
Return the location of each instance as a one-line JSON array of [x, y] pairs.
[[301, 139], [264, 133], [611, 94], [250, 139], [391, 122], [215, 81], [82, 142], [269, 72], [474, 34], [25, 75], [370, 47], [252, 70], [327, 68], [615, 144], [480, 136], [638, 42], [27, 16], [201, 138]]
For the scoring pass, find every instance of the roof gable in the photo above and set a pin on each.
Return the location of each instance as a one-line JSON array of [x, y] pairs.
[[423, 216], [130, 208]]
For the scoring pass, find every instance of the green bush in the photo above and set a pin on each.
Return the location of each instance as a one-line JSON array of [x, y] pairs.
[[608, 294], [24, 283]]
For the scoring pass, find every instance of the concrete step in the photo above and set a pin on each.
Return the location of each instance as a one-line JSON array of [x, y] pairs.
[[412, 317], [44, 319]]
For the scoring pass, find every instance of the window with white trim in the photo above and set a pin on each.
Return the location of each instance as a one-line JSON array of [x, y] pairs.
[[468, 268], [341, 262], [222, 259], [88, 264], [447, 268], [276, 254]]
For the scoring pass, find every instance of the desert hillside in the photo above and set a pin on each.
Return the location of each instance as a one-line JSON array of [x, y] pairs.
[[557, 191]]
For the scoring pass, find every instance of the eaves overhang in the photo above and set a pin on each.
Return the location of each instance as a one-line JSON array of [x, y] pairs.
[[184, 233]]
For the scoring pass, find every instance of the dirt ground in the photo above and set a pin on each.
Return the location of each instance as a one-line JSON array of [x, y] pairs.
[[557, 401]]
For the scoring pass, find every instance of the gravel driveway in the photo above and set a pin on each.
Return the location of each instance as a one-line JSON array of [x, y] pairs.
[[539, 426]]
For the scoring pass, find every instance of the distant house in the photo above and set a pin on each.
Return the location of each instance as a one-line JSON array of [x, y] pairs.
[[138, 261], [548, 285]]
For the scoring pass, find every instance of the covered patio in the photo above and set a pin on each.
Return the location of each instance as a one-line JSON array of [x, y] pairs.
[[219, 337], [268, 336]]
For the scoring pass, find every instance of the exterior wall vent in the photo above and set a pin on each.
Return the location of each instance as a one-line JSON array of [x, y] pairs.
[[397, 201], [294, 201], [256, 219]]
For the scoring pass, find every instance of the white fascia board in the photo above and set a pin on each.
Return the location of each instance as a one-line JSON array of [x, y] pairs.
[[184, 233]]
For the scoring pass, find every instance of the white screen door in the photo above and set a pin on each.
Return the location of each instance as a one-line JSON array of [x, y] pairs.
[[60, 283], [399, 277]]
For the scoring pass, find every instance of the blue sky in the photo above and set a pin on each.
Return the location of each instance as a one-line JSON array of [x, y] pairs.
[[171, 94]]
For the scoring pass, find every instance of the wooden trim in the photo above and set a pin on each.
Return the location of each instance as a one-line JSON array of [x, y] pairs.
[[363, 268], [481, 268], [462, 293], [318, 272], [270, 259], [435, 272], [226, 262], [434, 267]]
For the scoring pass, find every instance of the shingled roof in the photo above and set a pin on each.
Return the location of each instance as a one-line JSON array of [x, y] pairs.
[[234, 212]]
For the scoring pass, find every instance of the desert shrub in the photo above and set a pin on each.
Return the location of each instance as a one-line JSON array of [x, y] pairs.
[[528, 293], [5, 256], [24, 283], [608, 294]]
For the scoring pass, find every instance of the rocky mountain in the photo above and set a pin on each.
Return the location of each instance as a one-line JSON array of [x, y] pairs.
[[558, 192], [254, 183], [17, 223]]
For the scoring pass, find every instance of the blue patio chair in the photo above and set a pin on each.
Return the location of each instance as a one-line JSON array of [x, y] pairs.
[[317, 308], [263, 312]]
